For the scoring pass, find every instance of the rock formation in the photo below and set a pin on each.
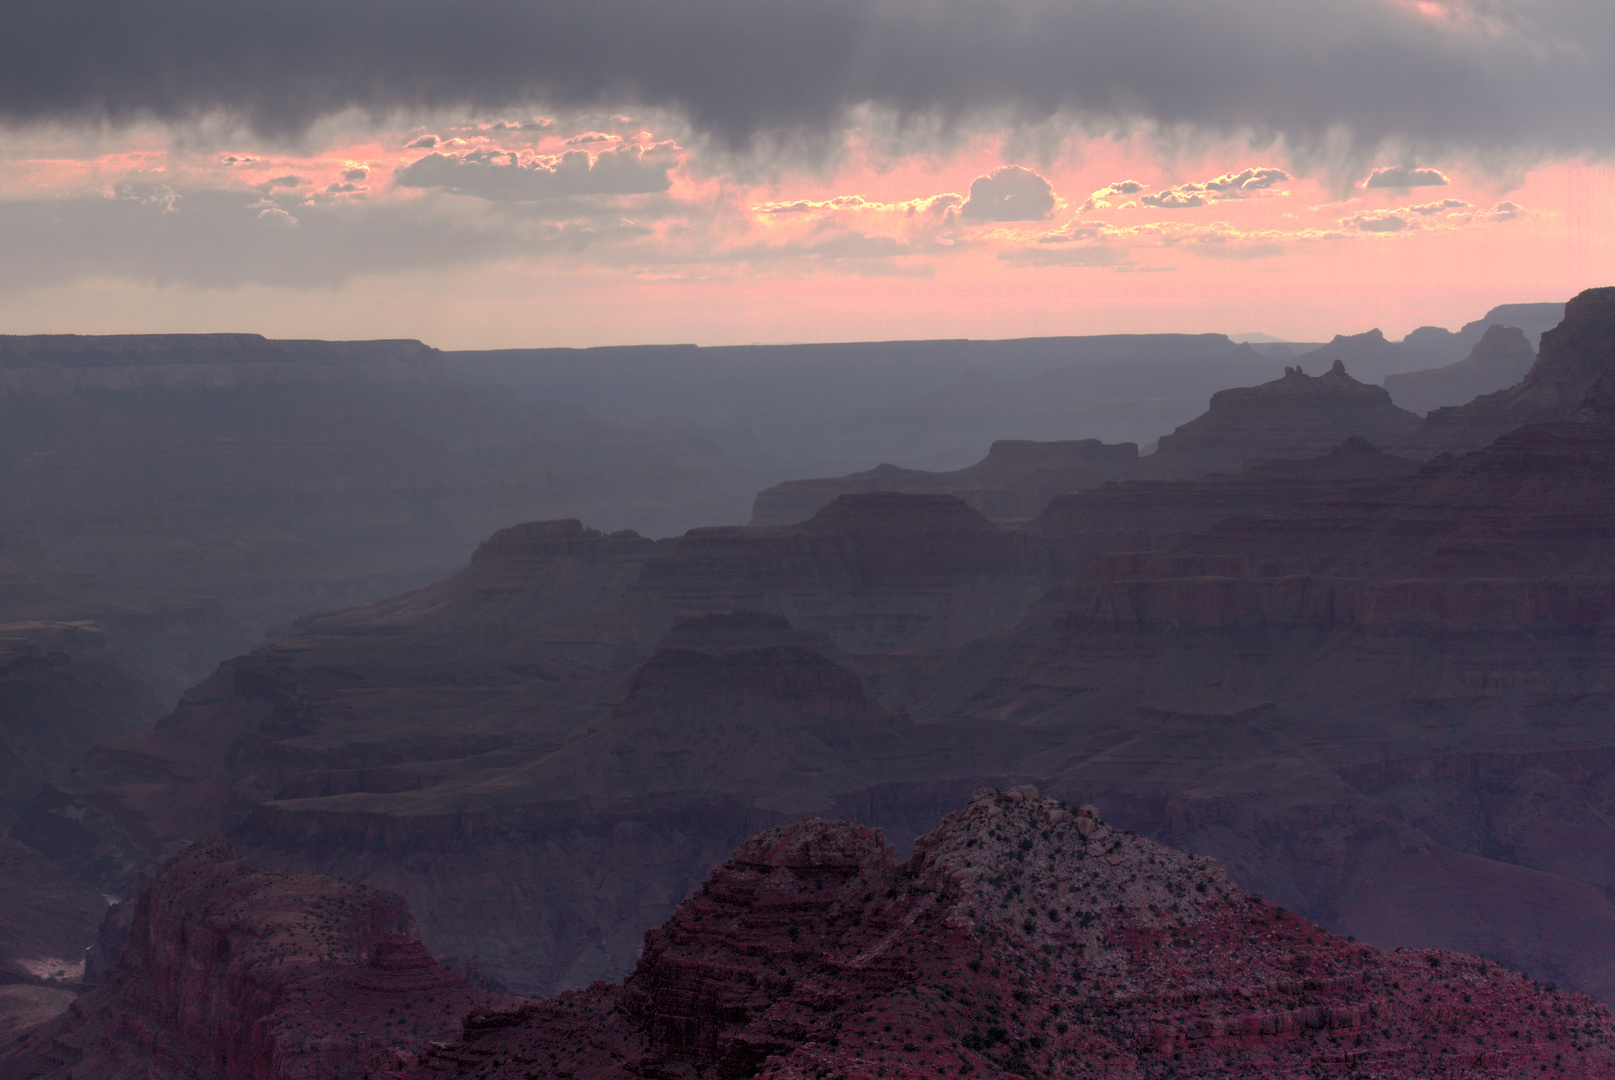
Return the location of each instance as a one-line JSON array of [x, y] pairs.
[[1532, 319], [1370, 356], [1157, 515], [1014, 480], [1571, 357], [473, 747], [60, 694], [234, 974], [1297, 416], [1435, 647], [881, 572], [1023, 937], [1498, 361]]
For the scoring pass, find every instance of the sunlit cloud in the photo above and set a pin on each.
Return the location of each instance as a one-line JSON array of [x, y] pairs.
[[1397, 176], [1234, 185]]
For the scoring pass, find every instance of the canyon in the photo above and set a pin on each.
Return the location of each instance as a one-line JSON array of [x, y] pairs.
[[1352, 655]]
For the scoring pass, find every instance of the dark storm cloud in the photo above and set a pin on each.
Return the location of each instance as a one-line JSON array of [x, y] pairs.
[[502, 176], [1505, 76], [1009, 193]]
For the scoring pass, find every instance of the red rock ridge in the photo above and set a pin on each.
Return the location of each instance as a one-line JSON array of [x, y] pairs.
[[234, 974], [1023, 937]]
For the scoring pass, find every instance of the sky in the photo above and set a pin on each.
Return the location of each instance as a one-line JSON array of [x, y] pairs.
[[495, 173]]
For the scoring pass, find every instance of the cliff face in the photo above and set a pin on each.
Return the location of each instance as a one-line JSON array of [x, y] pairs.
[[880, 573], [1499, 360], [1572, 355], [472, 747], [280, 477], [1297, 416], [1436, 648], [1158, 515], [1015, 480], [1022, 937], [60, 694], [232, 973], [68, 363]]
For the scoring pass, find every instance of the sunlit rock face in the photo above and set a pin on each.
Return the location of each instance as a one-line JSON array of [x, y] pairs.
[[1024, 936], [1296, 416]]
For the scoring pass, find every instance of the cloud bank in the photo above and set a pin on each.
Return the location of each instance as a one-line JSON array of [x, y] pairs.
[[1527, 79], [505, 176]]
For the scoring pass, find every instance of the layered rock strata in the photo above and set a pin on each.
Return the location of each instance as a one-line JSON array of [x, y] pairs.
[[234, 974], [1159, 515], [1436, 647], [879, 573]]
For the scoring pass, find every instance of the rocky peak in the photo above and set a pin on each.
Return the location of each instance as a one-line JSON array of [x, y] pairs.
[[233, 973], [1295, 416], [1572, 356], [1499, 359], [1030, 937], [544, 540]]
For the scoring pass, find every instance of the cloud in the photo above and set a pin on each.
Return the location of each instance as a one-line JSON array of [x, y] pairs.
[[1531, 79], [356, 174], [1009, 193], [1378, 221], [1505, 211], [1090, 255], [1119, 188], [1397, 176], [221, 239], [1427, 209], [938, 207], [1174, 199], [1220, 246], [1234, 185], [1247, 180], [504, 176], [425, 142]]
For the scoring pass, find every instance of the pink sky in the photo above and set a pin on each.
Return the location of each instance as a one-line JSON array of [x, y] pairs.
[[145, 231]]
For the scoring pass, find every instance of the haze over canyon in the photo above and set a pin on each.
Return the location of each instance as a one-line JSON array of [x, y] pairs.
[[1126, 705]]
